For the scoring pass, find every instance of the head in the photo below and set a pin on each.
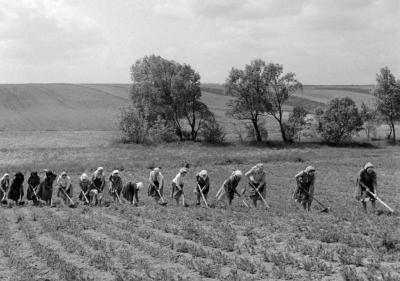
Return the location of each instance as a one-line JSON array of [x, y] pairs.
[[157, 170], [6, 176], [310, 170], [139, 185], [260, 166], [64, 175], [369, 168], [100, 170], [183, 172], [34, 174], [115, 173], [84, 177], [237, 174], [203, 174]]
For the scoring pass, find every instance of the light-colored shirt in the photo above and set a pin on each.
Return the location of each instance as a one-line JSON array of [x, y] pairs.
[[156, 177], [178, 180]]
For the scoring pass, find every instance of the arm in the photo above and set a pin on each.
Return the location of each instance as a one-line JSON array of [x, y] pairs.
[[207, 184]]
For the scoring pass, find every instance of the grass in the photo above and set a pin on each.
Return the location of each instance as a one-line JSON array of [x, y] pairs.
[[151, 242]]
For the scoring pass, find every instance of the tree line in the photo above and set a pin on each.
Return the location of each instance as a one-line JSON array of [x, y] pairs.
[[166, 105]]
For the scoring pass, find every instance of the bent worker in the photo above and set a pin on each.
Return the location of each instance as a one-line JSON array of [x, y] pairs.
[[257, 183], [203, 186], [45, 192], [115, 187], [16, 192], [97, 186], [84, 183], [177, 186], [228, 188], [4, 185], [366, 186], [33, 187], [304, 192], [156, 184], [64, 185], [131, 192]]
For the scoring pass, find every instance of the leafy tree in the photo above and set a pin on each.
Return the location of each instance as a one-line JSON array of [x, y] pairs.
[[168, 90], [369, 118], [281, 87], [340, 120], [296, 122], [387, 93], [249, 87]]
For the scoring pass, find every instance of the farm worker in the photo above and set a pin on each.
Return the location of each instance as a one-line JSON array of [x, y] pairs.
[[4, 184], [84, 183], [131, 192], [64, 185], [16, 192], [33, 187], [156, 184], [203, 185], [177, 186], [304, 191], [365, 185], [115, 187], [228, 188], [257, 183], [45, 192], [97, 186]]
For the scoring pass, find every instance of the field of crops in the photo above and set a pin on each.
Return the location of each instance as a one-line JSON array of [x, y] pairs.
[[151, 242]]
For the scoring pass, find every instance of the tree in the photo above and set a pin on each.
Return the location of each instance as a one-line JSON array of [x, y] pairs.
[[387, 93], [249, 87], [168, 90], [281, 87], [369, 118], [340, 120], [186, 89], [295, 123]]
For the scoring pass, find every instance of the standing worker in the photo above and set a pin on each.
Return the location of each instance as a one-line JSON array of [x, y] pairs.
[[203, 186], [177, 186], [228, 188], [156, 184], [366, 184], [45, 192], [257, 183], [97, 186], [115, 187], [304, 192], [4, 184], [84, 183], [64, 185]]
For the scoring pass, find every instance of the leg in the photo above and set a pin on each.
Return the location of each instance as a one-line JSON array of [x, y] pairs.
[[373, 203], [198, 198], [304, 204], [255, 199], [364, 204]]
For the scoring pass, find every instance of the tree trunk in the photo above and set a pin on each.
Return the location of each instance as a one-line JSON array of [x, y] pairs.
[[258, 134], [394, 132], [283, 133]]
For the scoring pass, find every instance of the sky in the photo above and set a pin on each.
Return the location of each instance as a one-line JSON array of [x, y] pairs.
[[96, 41]]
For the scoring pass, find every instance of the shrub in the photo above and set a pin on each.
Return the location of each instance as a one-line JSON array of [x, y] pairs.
[[161, 131], [340, 121], [133, 125], [213, 132]]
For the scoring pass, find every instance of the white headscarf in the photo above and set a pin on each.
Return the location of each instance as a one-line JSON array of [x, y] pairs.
[[64, 182], [309, 169], [84, 177], [368, 165], [237, 173], [203, 174], [97, 172]]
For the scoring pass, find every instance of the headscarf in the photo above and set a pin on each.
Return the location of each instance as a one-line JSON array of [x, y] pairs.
[[237, 173], [4, 177], [97, 172], [139, 185], [84, 177], [368, 165], [115, 172], [309, 169], [182, 171], [203, 174], [64, 181]]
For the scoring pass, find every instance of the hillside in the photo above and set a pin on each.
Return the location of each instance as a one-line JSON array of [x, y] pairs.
[[95, 107]]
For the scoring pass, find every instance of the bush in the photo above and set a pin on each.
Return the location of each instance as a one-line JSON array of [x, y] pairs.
[[340, 121], [133, 125], [213, 132], [161, 131]]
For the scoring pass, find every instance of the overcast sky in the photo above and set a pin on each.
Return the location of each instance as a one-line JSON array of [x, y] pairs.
[[323, 42]]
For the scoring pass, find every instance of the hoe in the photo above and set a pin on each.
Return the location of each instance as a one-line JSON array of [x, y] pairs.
[[73, 204], [325, 210]]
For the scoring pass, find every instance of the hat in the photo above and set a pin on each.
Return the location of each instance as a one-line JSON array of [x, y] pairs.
[[310, 169], [115, 172], [237, 173], [183, 170], [203, 173], [368, 165]]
